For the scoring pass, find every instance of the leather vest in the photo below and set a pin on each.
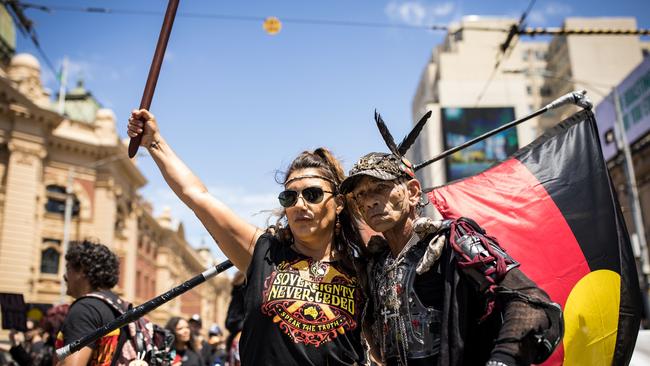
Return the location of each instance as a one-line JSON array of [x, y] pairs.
[[404, 327]]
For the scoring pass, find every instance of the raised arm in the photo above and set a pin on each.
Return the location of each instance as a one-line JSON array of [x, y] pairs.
[[234, 235]]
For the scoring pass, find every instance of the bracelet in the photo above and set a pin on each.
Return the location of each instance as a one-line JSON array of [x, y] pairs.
[[155, 145]]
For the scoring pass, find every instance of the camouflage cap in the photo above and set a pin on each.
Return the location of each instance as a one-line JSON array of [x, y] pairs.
[[382, 166]]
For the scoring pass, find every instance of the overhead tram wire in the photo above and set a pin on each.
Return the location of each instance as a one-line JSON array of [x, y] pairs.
[[585, 32], [250, 18], [506, 49], [332, 22], [26, 26]]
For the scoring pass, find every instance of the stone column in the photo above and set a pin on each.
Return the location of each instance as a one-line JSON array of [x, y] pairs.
[[104, 212], [19, 238]]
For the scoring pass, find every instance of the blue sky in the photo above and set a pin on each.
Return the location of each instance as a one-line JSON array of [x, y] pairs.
[[237, 104]]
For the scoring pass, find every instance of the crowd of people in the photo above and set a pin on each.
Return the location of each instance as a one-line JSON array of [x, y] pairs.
[[351, 273], [92, 270]]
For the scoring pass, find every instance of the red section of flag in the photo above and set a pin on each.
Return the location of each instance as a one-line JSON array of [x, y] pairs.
[[511, 205], [551, 206]]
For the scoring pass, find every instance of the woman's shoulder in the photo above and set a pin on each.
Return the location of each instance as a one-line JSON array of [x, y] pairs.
[[267, 240], [272, 247]]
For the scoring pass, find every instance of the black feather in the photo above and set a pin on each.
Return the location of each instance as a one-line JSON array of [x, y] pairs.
[[385, 133], [415, 132]]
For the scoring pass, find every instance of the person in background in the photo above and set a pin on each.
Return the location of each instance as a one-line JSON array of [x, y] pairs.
[[29, 348], [91, 269], [196, 337], [216, 346], [186, 354]]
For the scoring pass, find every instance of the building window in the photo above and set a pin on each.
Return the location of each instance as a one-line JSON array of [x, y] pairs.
[[50, 256], [529, 90], [56, 200]]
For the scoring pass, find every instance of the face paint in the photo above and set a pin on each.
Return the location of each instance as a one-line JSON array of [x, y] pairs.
[[383, 204]]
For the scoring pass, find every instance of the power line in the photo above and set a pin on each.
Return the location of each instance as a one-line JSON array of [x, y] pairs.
[[515, 29], [505, 49], [249, 18], [586, 32], [26, 26]]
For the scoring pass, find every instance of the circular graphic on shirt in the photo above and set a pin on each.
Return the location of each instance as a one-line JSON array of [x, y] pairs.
[[311, 301]]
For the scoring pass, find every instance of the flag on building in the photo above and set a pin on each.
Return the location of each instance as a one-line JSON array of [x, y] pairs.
[[552, 206]]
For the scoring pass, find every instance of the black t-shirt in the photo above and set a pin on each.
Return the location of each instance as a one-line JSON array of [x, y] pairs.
[[84, 317], [235, 315], [188, 357], [299, 312]]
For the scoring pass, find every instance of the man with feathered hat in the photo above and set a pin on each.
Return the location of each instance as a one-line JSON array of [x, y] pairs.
[[442, 292]]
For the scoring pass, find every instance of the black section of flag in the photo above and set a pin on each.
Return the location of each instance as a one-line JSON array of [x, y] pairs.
[[583, 195]]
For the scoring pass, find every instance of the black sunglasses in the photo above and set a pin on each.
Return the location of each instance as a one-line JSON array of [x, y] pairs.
[[289, 197]]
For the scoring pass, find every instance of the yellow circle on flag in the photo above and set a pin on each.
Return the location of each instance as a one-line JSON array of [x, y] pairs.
[[591, 319], [272, 25]]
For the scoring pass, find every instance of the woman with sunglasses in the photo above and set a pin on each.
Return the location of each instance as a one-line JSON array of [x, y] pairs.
[[303, 301]]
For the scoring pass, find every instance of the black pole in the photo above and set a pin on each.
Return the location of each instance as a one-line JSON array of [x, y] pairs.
[[141, 310], [577, 97]]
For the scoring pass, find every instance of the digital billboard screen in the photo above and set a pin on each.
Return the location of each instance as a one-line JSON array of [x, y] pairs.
[[460, 125]]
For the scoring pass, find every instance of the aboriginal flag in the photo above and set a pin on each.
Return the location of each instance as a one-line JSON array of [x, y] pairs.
[[552, 207]]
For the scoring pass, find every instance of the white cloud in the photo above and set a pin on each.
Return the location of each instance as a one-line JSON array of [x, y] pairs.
[[417, 13], [550, 10]]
